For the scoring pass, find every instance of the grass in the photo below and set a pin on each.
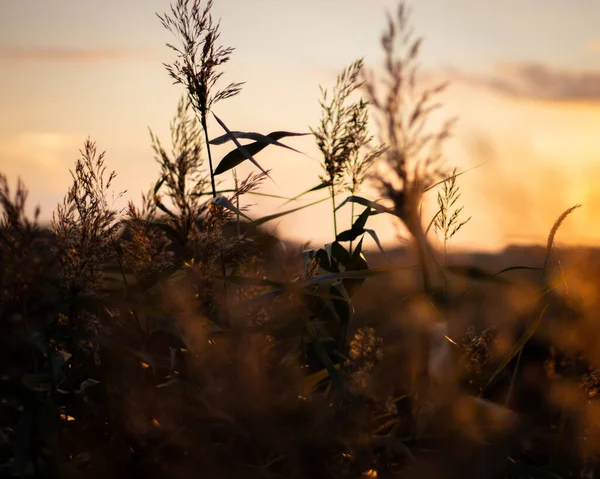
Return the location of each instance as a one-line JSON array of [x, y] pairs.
[[179, 337]]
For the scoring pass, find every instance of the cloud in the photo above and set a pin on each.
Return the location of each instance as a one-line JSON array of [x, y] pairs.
[[70, 55], [539, 82]]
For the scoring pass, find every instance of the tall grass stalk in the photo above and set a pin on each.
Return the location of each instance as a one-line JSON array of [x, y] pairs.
[[413, 159], [447, 220], [199, 59], [341, 132]]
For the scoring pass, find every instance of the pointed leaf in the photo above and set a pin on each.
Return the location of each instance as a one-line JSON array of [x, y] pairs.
[[373, 235], [233, 190], [236, 157], [324, 184], [358, 228], [240, 148], [475, 273], [159, 183], [455, 175], [269, 139], [265, 219], [349, 235], [88, 383], [365, 202], [335, 375], [163, 208], [340, 253], [518, 346], [226, 203], [328, 250], [258, 137], [356, 274], [432, 222], [311, 381], [343, 308]]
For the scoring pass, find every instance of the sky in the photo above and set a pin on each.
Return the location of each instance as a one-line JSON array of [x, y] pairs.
[[525, 86]]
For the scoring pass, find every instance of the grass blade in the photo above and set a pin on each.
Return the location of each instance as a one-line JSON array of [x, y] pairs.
[[225, 203], [239, 146], [274, 216], [325, 184], [517, 347]]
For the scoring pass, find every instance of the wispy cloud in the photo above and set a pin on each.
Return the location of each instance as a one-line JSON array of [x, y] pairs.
[[70, 55], [538, 81]]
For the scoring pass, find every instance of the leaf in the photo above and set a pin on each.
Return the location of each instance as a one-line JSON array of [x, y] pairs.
[[517, 347], [455, 175], [365, 202], [324, 184], [266, 139], [516, 268], [233, 190], [475, 273], [340, 253], [492, 277], [159, 183], [356, 274], [373, 235], [328, 250], [432, 222], [358, 228], [164, 209], [349, 235], [357, 263], [226, 203], [326, 261], [311, 381], [236, 157], [343, 308], [170, 382], [336, 378], [271, 138], [274, 216], [88, 383], [240, 148]]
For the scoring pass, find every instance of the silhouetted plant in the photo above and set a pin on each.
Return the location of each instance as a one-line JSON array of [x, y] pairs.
[[199, 59], [447, 221]]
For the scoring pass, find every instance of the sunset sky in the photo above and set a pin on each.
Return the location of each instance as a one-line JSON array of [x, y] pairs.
[[525, 85]]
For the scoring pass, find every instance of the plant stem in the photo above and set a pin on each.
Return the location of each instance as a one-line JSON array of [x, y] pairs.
[[333, 210], [513, 379], [214, 193], [351, 221], [212, 176]]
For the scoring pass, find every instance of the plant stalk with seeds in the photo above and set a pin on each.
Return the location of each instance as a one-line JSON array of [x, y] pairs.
[[413, 159], [342, 131], [197, 61], [447, 220]]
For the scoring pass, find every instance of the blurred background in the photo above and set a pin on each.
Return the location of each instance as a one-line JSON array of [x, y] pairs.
[[525, 85]]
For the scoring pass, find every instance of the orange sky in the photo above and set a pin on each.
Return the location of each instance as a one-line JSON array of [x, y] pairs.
[[527, 97]]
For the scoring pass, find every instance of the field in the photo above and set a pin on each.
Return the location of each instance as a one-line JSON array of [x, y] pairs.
[[177, 337]]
